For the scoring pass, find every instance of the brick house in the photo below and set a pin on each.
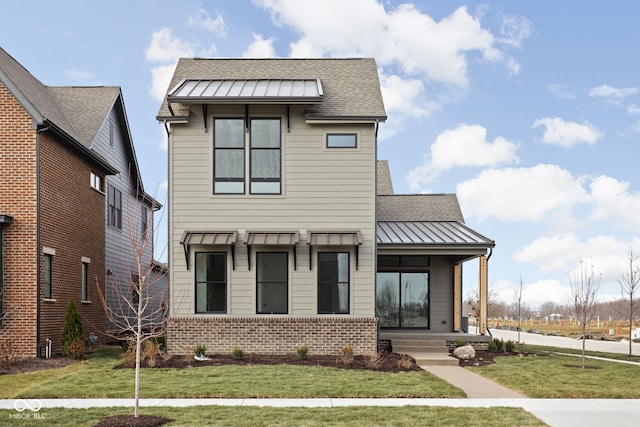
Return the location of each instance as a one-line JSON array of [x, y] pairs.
[[53, 205], [283, 227]]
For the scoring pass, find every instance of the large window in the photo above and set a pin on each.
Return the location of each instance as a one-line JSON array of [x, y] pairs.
[[333, 282], [48, 268], [211, 282], [272, 277], [265, 156], [228, 155], [115, 207]]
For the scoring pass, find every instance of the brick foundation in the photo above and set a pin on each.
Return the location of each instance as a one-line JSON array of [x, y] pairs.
[[272, 335]]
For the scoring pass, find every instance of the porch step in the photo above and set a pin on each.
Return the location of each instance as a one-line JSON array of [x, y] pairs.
[[425, 352]]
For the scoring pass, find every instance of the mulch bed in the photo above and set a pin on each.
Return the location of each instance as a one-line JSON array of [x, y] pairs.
[[132, 421], [21, 366], [386, 362]]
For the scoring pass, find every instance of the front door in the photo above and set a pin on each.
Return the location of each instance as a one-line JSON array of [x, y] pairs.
[[402, 299]]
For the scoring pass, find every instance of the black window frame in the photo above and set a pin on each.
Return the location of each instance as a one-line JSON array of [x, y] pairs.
[[135, 291], [253, 149], [48, 278], [85, 281], [286, 283], [144, 223], [322, 283], [220, 149], [115, 207], [208, 282], [338, 147]]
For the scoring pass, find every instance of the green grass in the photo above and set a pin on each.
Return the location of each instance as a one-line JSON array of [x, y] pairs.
[[299, 417], [96, 378], [547, 375]]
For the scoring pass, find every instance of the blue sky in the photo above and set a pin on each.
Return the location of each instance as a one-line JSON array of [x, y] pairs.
[[528, 110]]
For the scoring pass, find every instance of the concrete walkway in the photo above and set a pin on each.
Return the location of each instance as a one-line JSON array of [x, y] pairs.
[[474, 385], [554, 412]]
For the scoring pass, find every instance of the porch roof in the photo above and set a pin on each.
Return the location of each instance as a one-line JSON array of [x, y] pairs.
[[429, 234]]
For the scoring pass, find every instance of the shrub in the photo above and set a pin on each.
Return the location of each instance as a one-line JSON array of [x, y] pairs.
[[509, 346], [499, 342], [8, 353], [460, 342], [237, 353], [200, 349], [346, 354], [375, 360], [303, 352], [72, 329], [129, 355], [150, 352], [492, 346], [76, 349], [405, 362]]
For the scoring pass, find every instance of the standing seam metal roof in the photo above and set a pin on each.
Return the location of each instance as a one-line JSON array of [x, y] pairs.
[[432, 233]]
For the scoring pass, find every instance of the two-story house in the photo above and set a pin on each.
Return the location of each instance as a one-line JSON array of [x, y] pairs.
[[62, 150], [274, 240]]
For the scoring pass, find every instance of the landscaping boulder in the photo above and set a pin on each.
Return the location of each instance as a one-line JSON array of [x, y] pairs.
[[464, 352]]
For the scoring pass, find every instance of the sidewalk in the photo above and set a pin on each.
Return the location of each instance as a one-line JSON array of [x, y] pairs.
[[474, 385]]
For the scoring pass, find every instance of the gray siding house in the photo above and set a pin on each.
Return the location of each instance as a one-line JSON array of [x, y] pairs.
[[277, 234]]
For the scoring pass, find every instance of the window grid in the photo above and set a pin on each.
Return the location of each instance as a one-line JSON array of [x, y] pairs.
[[211, 282], [228, 156], [115, 207]]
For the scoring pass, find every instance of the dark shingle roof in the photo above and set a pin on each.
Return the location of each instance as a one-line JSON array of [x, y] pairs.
[[418, 207], [351, 86], [384, 184]]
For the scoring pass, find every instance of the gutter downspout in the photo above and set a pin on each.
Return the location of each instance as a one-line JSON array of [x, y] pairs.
[[38, 237]]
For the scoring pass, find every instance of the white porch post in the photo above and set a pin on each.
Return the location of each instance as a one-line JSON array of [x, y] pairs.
[[482, 321], [457, 297]]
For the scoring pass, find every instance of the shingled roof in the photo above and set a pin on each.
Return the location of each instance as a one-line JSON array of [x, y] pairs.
[[351, 88], [418, 207], [384, 184]]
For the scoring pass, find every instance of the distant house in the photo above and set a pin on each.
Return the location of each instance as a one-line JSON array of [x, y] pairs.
[[284, 229], [62, 149]]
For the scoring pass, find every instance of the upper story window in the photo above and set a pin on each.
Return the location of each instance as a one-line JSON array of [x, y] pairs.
[[110, 132], [96, 182], [342, 140], [230, 157], [144, 222], [115, 207]]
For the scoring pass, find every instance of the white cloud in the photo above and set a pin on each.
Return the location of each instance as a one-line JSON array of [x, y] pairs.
[[164, 185], [607, 91], [521, 194], [514, 30], [633, 109], [404, 95], [82, 76], [203, 20], [160, 79], [615, 204], [534, 294], [164, 47], [567, 133], [260, 48], [465, 145], [561, 91]]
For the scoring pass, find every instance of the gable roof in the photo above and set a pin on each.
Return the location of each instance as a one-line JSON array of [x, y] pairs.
[[38, 100], [351, 88], [418, 207], [384, 184]]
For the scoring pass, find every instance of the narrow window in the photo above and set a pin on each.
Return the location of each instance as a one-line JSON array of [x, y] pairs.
[[144, 226], [333, 282], [115, 207], [228, 156], [85, 281], [48, 264], [110, 132], [342, 140], [265, 156], [135, 291], [272, 277], [96, 181], [211, 282]]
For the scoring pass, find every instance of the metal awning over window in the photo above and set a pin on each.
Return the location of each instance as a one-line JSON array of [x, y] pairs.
[[209, 238], [247, 91], [272, 238], [334, 238]]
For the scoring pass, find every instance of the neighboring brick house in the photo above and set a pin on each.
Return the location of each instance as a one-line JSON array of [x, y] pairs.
[[277, 234], [53, 184]]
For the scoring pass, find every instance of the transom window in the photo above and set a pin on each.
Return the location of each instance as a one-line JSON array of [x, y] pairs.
[[342, 140], [333, 282], [211, 282], [230, 157], [272, 277]]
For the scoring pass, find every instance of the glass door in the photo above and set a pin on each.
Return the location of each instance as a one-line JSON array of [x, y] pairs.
[[402, 299]]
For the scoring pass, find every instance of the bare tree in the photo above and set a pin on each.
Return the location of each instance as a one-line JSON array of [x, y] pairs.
[[518, 306], [630, 286], [134, 302], [584, 285]]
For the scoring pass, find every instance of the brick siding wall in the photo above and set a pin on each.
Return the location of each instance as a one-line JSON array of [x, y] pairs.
[[272, 335], [18, 198], [73, 224]]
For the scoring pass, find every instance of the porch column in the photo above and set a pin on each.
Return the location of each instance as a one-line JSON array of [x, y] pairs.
[[482, 321], [457, 297]]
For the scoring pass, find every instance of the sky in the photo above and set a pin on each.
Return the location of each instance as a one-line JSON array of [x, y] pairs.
[[529, 111]]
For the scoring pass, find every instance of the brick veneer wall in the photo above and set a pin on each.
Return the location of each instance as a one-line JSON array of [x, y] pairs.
[[18, 195], [72, 223], [272, 335]]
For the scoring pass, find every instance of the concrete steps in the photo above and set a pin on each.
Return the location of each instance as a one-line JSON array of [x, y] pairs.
[[426, 352]]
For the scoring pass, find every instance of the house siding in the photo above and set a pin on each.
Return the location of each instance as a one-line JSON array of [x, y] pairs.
[[72, 224], [18, 198], [322, 189], [441, 294]]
